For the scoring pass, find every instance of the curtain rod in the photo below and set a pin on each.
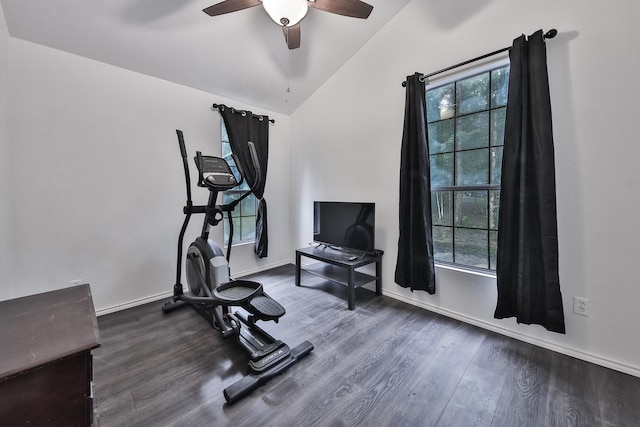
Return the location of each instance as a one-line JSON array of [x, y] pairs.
[[548, 35], [233, 110]]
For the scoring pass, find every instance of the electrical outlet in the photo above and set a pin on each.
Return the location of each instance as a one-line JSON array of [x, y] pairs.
[[76, 282], [581, 306]]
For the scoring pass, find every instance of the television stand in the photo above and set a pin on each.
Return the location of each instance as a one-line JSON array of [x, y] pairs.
[[340, 267]]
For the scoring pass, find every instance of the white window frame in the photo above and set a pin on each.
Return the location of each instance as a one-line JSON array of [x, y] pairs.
[[489, 271]]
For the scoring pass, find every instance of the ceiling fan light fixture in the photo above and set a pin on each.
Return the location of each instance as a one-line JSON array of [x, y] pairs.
[[286, 13]]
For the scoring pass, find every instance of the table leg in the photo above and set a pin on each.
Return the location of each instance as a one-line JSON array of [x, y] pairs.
[[351, 288], [298, 268], [379, 277]]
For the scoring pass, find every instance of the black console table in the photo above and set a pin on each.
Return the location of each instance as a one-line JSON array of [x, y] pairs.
[[340, 267]]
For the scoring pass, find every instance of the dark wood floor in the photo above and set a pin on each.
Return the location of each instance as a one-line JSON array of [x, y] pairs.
[[385, 363]]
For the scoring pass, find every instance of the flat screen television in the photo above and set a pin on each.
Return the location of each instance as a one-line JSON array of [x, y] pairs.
[[345, 225]]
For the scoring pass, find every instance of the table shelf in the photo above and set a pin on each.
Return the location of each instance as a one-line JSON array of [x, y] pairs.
[[340, 267], [338, 274]]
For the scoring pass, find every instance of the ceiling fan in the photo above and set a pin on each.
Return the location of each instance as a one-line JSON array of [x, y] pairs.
[[289, 13]]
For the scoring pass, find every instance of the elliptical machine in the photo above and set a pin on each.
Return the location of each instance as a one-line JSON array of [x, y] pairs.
[[212, 292]]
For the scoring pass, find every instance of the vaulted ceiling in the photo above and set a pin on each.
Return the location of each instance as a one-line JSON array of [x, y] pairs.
[[241, 55]]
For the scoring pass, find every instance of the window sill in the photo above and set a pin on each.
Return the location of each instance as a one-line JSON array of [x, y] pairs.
[[483, 273], [245, 243]]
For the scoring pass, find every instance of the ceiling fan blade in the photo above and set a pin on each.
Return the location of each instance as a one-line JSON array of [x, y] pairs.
[[292, 36], [228, 6], [352, 8]]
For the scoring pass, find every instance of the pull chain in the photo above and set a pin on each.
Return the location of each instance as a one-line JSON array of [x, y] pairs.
[[288, 90]]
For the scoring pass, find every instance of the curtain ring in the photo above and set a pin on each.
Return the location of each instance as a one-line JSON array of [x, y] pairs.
[[261, 118], [244, 113]]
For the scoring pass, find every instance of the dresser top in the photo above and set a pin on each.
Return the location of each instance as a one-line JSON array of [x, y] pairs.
[[39, 329]]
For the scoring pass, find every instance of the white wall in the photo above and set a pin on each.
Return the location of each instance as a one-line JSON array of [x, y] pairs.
[[5, 163], [346, 146], [97, 182]]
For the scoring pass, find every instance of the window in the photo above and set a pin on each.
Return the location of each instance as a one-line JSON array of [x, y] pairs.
[[244, 215], [466, 130]]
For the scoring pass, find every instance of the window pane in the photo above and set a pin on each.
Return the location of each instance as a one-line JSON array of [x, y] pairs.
[[226, 151], [440, 103], [493, 249], [441, 137], [441, 208], [443, 243], [472, 167], [244, 215], [472, 131], [225, 135], [228, 197], [473, 94], [248, 206], [471, 247], [471, 209], [494, 209], [441, 169], [496, 165], [236, 230], [248, 228], [499, 86], [497, 126]]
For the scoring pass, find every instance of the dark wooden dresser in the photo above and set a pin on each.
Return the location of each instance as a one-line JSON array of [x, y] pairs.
[[45, 358]]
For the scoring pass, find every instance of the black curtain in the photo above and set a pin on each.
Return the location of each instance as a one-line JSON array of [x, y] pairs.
[[415, 266], [242, 127], [527, 258]]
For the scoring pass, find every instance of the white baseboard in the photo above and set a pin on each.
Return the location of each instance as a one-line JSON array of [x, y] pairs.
[[134, 303], [608, 363], [167, 295], [261, 268]]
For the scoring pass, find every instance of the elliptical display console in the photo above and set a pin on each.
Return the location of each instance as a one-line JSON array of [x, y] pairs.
[[212, 292]]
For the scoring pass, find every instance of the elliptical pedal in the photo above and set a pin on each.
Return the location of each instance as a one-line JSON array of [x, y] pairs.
[[266, 308], [237, 291]]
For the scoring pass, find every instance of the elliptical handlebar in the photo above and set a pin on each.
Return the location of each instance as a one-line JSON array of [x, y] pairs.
[[185, 164]]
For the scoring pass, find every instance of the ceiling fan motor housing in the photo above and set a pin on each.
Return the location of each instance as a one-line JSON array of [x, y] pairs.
[[289, 13], [286, 12]]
